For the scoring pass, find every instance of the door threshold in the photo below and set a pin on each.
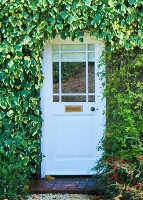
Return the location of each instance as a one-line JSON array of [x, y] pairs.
[[71, 184]]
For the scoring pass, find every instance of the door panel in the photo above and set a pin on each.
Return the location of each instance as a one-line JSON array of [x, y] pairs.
[[72, 146], [71, 129]]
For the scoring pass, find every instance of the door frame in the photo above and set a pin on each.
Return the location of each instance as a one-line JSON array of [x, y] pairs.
[[45, 89]]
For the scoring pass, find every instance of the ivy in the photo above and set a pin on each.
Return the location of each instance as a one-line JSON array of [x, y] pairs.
[[25, 26]]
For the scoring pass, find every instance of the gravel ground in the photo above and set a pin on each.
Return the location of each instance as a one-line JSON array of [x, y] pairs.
[[61, 197]]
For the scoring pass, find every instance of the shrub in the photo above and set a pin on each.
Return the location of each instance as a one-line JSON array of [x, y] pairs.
[[120, 168], [13, 174]]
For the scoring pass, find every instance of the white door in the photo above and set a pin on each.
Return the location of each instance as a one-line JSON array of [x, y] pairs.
[[71, 107]]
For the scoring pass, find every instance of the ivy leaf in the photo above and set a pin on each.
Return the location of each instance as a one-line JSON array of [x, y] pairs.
[[63, 14], [3, 104], [52, 21], [49, 29], [26, 63], [111, 3], [24, 93], [18, 48], [6, 125], [63, 35], [131, 1], [94, 7], [10, 113], [70, 19], [45, 3], [88, 2], [34, 8], [7, 143], [25, 15], [2, 75], [59, 26], [81, 39], [51, 1]]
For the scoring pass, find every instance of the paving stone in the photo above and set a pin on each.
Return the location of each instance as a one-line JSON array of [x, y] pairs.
[[60, 197]]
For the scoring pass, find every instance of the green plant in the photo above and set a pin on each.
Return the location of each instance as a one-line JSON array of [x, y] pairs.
[[14, 174], [122, 144], [25, 26]]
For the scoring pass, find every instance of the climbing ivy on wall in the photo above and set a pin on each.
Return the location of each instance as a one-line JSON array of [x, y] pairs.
[[25, 26]]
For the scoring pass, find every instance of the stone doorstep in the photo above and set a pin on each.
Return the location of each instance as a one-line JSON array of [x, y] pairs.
[[63, 185]]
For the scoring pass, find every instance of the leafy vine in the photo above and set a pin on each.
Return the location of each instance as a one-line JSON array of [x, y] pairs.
[[25, 26]]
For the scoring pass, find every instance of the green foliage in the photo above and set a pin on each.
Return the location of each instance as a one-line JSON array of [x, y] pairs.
[[13, 173], [122, 161], [25, 26]]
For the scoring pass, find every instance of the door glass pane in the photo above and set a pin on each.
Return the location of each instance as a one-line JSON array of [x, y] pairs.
[[55, 47], [55, 77], [91, 47], [55, 98], [73, 47], [91, 77], [91, 56], [73, 98], [73, 57], [55, 57], [91, 98], [73, 76]]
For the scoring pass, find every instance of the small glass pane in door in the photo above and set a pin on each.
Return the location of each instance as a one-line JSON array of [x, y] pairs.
[[55, 77], [73, 47], [91, 77], [55, 47], [73, 57], [55, 98], [73, 98], [91, 98], [91, 47], [73, 76]]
